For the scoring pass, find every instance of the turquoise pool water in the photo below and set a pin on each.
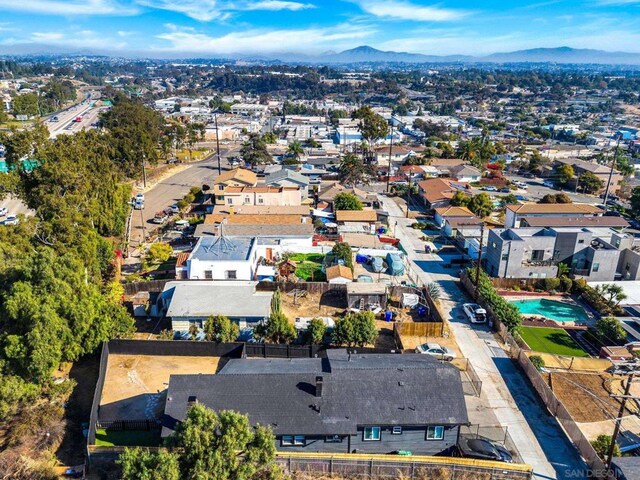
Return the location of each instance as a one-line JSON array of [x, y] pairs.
[[552, 309]]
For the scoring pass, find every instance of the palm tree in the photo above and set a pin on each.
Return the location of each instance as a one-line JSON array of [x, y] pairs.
[[295, 150]]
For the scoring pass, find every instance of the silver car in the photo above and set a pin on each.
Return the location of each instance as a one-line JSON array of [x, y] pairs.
[[436, 350]]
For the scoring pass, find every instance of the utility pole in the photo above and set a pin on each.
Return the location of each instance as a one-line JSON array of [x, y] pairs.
[[215, 118], [144, 173], [616, 429], [479, 266], [389, 168], [408, 195], [613, 163]]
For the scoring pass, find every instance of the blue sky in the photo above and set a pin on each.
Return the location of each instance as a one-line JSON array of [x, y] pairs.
[[219, 27]]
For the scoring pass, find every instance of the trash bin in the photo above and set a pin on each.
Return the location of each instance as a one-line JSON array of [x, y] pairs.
[[388, 316]]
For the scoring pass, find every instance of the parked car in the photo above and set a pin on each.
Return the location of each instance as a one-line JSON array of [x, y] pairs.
[[436, 350], [483, 448], [475, 313], [173, 208], [521, 185], [11, 220], [489, 189], [549, 184], [171, 161], [505, 190], [522, 198], [181, 225], [365, 278], [159, 218], [3, 211], [138, 201]]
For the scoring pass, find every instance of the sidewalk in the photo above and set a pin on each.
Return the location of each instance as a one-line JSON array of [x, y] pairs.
[[491, 363]]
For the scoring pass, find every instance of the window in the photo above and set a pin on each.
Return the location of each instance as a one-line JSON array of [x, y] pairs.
[[333, 439], [229, 200], [231, 274], [260, 200], [247, 200], [396, 431], [537, 255], [505, 257], [435, 433], [371, 434], [208, 274], [291, 440], [596, 267], [221, 187], [581, 241]]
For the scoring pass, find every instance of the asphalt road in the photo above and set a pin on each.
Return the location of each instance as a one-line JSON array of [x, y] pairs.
[[174, 188]]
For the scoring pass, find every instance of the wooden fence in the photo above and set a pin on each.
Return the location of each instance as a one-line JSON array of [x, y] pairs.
[[419, 329]]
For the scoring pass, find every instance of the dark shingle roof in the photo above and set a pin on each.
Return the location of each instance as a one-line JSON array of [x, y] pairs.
[[384, 389], [629, 467]]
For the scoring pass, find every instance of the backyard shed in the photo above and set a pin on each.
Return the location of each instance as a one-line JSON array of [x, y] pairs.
[[339, 274], [363, 296]]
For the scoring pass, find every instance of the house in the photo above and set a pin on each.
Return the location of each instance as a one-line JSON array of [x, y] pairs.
[[345, 403], [249, 109], [259, 195], [443, 213], [369, 217], [339, 274], [514, 214], [223, 258], [444, 165], [368, 199], [289, 178], [190, 303], [625, 468], [362, 295], [438, 192], [596, 254], [238, 177], [580, 167], [465, 173], [398, 154]]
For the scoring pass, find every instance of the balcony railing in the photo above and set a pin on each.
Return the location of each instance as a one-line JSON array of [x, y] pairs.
[[584, 272], [539, 263]]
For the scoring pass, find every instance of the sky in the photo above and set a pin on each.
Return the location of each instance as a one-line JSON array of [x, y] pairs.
[[232, 27]]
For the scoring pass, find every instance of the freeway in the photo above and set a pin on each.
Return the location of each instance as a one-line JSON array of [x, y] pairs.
[[65, 124], [171, 189]]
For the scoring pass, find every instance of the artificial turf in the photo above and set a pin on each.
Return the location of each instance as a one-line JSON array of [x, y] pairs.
[[551, 340], [127, 438]]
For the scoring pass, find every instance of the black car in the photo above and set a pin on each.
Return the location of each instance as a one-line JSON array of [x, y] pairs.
[[505, 190], [484, 449]]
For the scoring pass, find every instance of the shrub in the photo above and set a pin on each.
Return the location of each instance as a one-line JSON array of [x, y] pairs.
[[315, 332], [277, 329], [342, 251], [506, 312], [566, 284], [356, 329], [195, 191], [602, 444], [159, 252], [221, 329], [551, 284], [537, 361], [609, 330]]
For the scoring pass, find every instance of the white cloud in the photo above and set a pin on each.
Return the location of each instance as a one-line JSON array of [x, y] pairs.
[[46, 37], [207, 10], [263, 41], [277, 5], [408, 11], [69, 7], [78, 39]]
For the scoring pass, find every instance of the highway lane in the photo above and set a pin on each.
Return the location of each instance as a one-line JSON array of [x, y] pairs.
[[173, 188]]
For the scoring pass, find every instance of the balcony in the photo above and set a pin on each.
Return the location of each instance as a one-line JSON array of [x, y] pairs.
[[581, 272], [539, 263]]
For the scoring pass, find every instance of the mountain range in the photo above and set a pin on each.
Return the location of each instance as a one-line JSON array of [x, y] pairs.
[[367, 54]]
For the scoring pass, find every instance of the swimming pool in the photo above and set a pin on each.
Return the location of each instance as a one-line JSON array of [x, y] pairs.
[[552, 309]]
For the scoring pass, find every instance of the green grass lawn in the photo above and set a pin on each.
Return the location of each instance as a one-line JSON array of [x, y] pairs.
[[309, 266], [551, 340], [127, 438]]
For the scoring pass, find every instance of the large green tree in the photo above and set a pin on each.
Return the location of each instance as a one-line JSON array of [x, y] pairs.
[[141, 464], [371, 125], [254, 150], [222, 446], [353, 170], [355, 329], [346, 201], [481, 204]]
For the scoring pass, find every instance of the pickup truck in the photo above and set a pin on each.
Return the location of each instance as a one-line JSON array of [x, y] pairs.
[[475, 313]]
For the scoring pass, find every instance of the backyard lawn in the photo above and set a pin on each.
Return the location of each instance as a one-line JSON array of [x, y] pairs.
[[127, 438], [551, 340], [309, 266]]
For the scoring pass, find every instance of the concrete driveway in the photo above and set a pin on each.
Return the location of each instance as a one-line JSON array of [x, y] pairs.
[[539, 438]]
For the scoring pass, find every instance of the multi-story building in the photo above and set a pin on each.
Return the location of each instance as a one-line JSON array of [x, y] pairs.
[[517, 215]]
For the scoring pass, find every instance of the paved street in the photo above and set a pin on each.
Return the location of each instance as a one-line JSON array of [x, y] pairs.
[[173, 188], [538, 436]]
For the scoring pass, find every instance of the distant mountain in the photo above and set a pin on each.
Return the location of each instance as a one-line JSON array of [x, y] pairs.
[[564, 55], [366, 54]]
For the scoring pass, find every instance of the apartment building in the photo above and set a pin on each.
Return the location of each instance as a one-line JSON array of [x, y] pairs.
[[518, 215]]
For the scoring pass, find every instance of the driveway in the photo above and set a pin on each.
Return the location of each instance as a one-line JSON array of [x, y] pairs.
[[539, 438]]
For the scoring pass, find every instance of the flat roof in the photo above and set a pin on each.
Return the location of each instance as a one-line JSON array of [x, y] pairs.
[[223, 248]]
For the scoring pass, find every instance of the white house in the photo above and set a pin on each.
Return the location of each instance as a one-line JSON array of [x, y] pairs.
[[223, 258]]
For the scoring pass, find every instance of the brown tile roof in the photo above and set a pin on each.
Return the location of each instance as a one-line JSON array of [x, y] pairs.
[[258, 189], [181, 261], [437, 189], [454, 212], [464, 222], [446, 162], [263, 210], [234, 219], [356, 216], [237, 174], [339, 271], [554, 208]]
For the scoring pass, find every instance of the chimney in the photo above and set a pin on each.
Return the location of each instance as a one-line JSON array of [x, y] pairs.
[[192, 400], [318, 386]]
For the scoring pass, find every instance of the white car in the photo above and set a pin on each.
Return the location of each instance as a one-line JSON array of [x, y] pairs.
[[436, 350], [489, 189], [475, 313], [521, 185], [11, 220], [3, 211], [173, 208]]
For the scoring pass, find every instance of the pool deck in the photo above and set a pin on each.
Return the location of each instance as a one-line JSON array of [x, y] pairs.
[[564, 298]]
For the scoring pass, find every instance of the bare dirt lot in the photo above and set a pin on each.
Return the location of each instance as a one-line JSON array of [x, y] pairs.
[[135, 385], [586, 396]]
